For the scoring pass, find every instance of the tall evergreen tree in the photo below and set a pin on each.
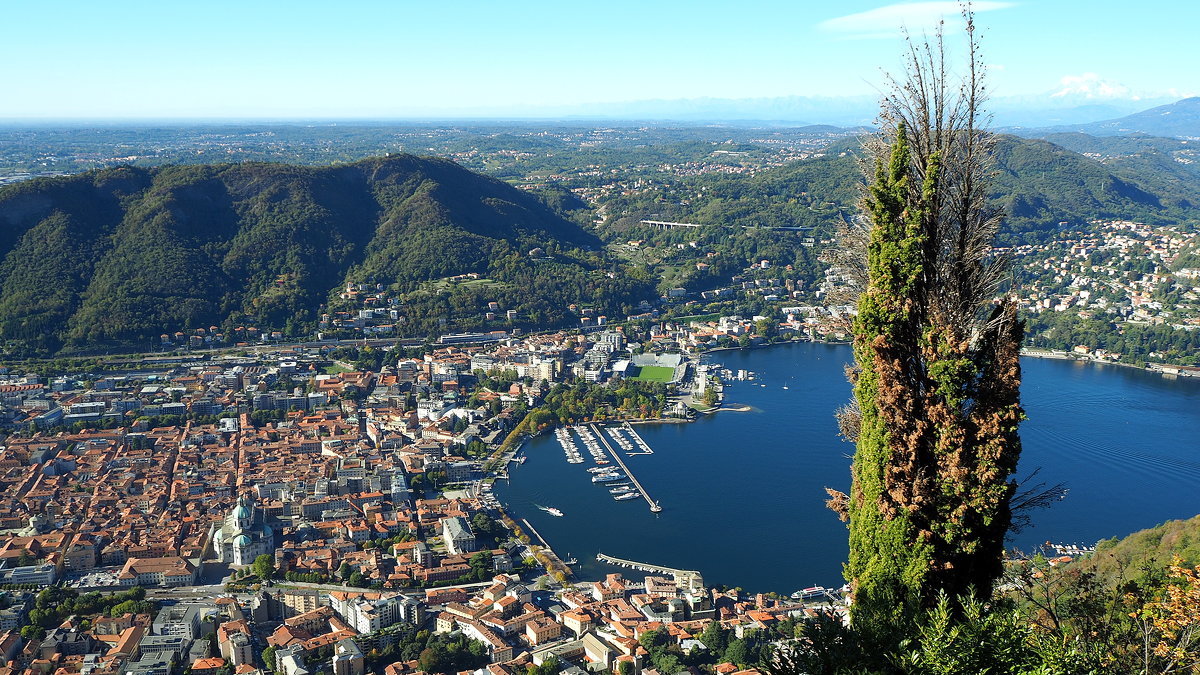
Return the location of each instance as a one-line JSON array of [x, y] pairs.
[[937, 375]]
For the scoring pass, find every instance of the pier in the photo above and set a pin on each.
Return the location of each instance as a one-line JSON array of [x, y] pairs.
[[654, 506], [555, 561], [684, 579]]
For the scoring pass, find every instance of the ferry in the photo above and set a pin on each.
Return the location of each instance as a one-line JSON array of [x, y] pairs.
[[552, 511], [809, 593], [627, 495]]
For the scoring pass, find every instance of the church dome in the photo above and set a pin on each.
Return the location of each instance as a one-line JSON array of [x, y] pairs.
[[242, 541]]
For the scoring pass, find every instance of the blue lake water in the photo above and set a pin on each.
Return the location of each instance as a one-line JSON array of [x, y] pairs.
[[743, 492]]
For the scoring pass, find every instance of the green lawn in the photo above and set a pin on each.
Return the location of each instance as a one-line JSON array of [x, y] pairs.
[[655, 374]]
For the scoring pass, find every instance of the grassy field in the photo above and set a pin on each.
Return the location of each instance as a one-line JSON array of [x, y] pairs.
[[655, 374]]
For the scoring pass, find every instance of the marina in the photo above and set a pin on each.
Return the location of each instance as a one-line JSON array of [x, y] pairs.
[[570, 449], [623, 434], [1104, 431], [654, 506]]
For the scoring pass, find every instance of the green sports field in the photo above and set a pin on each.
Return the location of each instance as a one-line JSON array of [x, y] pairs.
[[655, 374]]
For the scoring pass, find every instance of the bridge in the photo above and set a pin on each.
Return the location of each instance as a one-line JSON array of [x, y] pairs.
[[688, 580], [667, 224]]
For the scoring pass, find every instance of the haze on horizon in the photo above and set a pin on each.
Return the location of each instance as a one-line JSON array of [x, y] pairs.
[[372, 59]]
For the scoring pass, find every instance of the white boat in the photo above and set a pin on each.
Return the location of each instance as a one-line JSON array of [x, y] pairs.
[[627, 495], [809, 593], [551, 510], [607, 477]]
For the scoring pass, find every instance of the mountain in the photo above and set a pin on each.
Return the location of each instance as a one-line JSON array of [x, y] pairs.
[[1180, 119], [118, 256], [1037, 183]]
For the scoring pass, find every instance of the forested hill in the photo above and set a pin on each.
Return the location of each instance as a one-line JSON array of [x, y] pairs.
[[120, 255], [1037, 183]]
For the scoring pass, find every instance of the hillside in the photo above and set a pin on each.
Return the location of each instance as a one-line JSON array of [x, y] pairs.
[[118, 256], [1152, 548], [1038, 184]]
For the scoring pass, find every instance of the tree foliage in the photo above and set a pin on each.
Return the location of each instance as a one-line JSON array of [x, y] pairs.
[[938, 376], [120, 256]]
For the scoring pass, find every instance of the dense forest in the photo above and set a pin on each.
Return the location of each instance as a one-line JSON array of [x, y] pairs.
[[118, 256]]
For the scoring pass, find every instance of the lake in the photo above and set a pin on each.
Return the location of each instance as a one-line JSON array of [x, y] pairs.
[[743, 492]]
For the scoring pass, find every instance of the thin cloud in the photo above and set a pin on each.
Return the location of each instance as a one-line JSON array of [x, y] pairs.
[[885, 21], [1091, 86]]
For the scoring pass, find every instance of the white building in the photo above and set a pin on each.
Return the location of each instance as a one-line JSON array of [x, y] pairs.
[[243, 535]]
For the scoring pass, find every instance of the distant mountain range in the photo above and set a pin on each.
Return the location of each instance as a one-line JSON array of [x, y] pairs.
[[1180, 119], [1039, 111]]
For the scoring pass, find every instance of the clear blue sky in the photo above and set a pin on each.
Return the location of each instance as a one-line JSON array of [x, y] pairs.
[[395, 58]]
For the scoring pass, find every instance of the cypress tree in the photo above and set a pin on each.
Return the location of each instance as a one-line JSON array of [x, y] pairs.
[[937, 372]]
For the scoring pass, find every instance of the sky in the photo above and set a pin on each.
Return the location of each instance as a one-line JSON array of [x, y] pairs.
[[530, 58]]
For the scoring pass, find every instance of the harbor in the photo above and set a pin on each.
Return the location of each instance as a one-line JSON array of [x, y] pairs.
[[760, 476], [654, 506], [598, 441]]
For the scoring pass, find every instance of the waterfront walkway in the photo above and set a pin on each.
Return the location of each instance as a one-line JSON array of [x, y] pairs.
[[654, 506], [555, 561]]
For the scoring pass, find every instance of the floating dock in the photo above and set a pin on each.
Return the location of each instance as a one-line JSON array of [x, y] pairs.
[[654, 506], [637, 438]]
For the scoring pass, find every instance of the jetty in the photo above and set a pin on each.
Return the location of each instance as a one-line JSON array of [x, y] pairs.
[[556, 562], [684, 579], [654, 506]]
